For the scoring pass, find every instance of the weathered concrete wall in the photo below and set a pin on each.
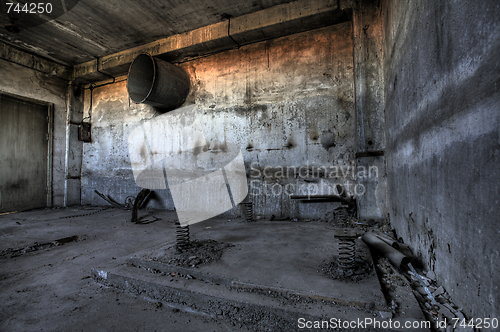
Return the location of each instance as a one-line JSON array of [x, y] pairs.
[[106, 164], [288, 103], [25, 82], [442, 77]]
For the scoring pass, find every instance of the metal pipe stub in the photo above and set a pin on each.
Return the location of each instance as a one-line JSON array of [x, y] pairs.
[[381, 247], [157, 83]]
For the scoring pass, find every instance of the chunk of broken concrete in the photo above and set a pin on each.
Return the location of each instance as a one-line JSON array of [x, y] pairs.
[[421, 290], [446, 312], [441, 300], [438, 291]]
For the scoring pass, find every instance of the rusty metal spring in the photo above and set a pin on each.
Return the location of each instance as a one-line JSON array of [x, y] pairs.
[[347, 251], [247, 208], [182, 235]]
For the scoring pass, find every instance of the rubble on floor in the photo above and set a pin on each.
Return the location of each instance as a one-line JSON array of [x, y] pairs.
[[199, 252], [15, 252], [434, 301], [447, 316], [360, 270]]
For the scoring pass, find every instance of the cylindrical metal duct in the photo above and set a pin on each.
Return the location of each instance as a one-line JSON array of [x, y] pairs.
[[156, 82]]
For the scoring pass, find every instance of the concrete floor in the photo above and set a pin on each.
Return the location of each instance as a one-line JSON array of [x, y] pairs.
[[282, 255], [52, 288]]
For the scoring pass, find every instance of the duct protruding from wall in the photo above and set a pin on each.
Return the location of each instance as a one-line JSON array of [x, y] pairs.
[[157, 83]]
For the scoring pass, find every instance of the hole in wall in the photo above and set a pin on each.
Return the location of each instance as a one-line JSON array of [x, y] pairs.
[[290, 144]]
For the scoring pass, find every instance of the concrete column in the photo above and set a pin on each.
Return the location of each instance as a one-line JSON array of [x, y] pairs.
[[369, 106], [74, 148]]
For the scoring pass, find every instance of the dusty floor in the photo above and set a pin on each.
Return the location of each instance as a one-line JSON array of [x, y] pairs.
[[46, 284], [51, 289]]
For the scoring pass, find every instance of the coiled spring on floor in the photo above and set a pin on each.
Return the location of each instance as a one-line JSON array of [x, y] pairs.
[[182, 236], [347, 251], [347, 247], [247, 209]]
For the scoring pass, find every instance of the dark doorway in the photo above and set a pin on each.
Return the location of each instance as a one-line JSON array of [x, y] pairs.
[[24, 142]]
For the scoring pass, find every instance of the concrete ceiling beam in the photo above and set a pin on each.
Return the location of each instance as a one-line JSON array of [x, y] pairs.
[[266, 24], [25, 59]]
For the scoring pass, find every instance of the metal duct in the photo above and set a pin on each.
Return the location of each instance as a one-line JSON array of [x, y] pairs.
[[395, 257], [157, 83]]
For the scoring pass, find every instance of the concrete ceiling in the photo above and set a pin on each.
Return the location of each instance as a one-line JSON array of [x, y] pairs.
[[79, 31]]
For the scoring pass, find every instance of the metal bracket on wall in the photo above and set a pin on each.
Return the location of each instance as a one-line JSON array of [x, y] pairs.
[[84, 132]]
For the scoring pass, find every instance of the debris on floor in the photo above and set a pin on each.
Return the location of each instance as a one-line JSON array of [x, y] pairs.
[[199, 252], [15, 252], [360, 270], [438, 307], [132, 203], [86, 214], [434, 301], [138, 203]]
